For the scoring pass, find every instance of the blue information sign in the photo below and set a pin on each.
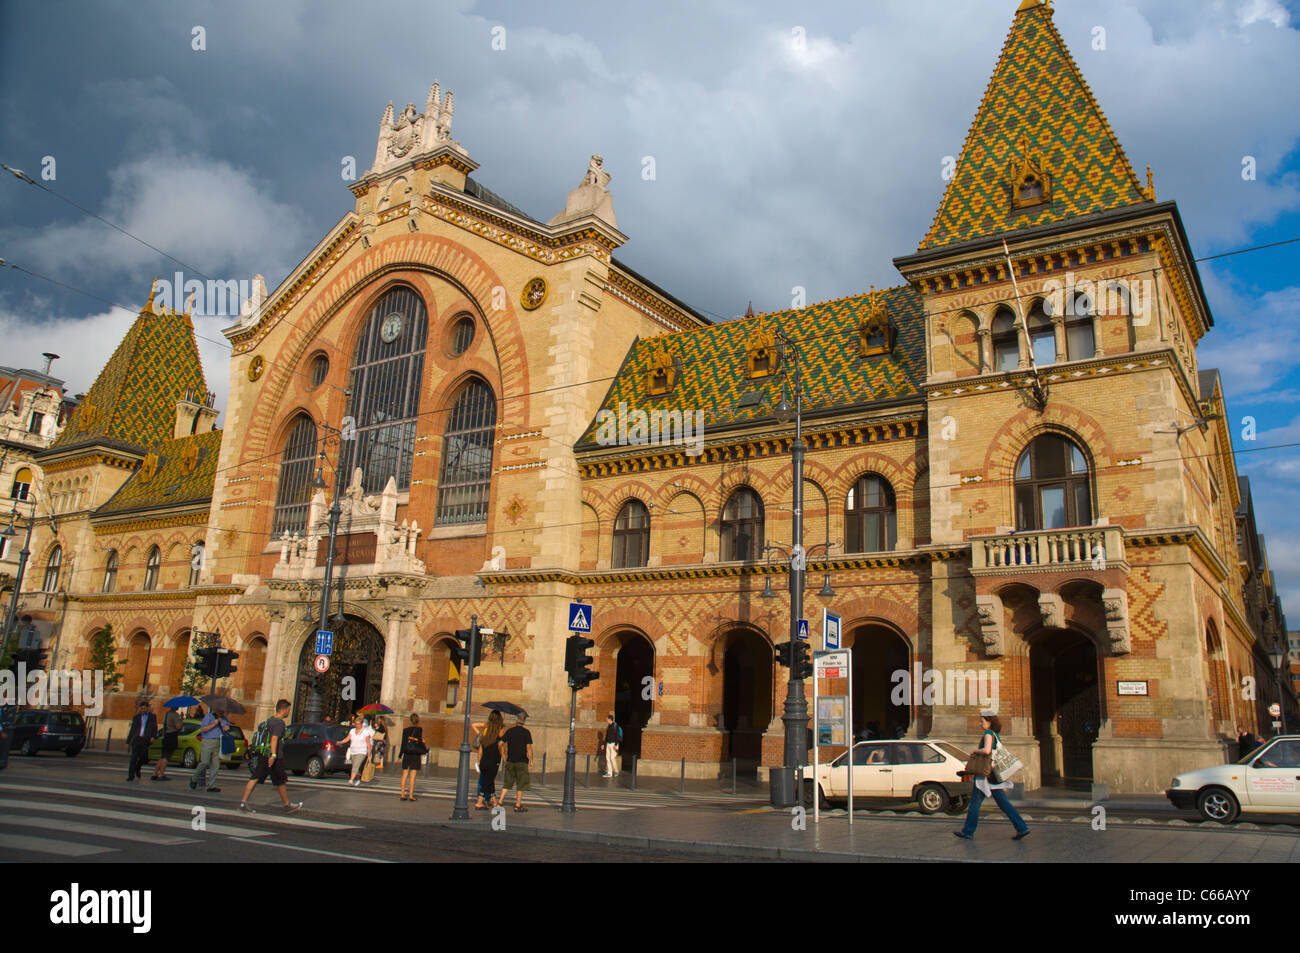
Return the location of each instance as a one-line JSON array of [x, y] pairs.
[[830, 630], [324, 642], [803, 629], [579, 617]]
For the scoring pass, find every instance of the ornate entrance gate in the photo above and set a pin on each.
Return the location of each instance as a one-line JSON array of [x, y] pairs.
[[359, 656]]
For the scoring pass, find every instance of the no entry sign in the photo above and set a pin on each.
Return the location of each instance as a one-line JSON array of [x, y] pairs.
[[322, 663]]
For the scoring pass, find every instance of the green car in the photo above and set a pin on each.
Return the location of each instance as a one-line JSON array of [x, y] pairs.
[[187, 746]]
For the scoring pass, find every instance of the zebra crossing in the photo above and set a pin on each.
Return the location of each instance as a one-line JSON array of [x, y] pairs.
[[42, 822]]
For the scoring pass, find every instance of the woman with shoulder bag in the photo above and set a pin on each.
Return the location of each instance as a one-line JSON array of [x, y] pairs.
[[489, 759], [413, 749], [981, 787]]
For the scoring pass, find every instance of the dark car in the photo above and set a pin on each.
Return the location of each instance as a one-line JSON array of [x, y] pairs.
[[311, 748], [42, 729]]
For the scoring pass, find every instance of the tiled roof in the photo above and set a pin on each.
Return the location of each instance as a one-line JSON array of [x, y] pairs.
[[133, 400], [172, 482], [714, 373], [1037, 93]]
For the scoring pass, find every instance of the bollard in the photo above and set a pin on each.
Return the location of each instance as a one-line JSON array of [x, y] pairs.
[[542, 783], [109, 740], [733, 775], [635, 760], [587, 783], [683, 774]]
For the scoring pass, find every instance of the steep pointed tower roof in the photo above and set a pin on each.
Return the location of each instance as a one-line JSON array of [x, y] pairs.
[[132, 404], [1040, 149]]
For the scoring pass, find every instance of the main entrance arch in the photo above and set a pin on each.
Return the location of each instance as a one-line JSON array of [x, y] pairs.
[[879, 652], [359, 656], [1064, 686], [632, 709], [746, 696]]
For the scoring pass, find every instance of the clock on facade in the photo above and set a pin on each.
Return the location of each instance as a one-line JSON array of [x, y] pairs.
[[391, 328]]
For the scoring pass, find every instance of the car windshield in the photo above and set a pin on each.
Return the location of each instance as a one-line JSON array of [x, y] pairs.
[[951, 749], [336, 733], [236, 732], [1251, 757], [67, 720]]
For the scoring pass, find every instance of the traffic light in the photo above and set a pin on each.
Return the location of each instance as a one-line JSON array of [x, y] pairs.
[[205, 662], [783, 654], [226, 663], [576, 662], [462, 652], [803, 667], [33, 658]]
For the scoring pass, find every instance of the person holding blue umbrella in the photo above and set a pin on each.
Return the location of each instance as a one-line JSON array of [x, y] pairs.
[[172, 723]]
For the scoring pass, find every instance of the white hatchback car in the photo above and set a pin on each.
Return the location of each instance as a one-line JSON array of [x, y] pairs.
[[1266, 781], [924, 773]]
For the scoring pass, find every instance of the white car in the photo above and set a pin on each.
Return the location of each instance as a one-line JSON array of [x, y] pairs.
[[924, 773], [1266, 781]]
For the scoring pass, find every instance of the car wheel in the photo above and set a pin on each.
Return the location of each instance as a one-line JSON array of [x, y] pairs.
[[1218, 804], [29, 749], [315, 768], [72, 752], [932, 799], [808, 788], [190, 759]]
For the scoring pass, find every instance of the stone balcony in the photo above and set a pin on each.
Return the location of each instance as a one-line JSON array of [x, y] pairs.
[[1090, 548]]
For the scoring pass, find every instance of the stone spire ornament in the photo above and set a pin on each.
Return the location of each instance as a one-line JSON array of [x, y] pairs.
[[404, 135], [591, 197]]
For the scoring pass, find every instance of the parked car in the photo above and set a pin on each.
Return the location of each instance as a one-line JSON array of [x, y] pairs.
[[1266, 781], [924, 773], [188, 746], [312, 748], [44, 729]]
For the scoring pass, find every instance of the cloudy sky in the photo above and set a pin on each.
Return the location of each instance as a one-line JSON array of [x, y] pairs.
[[792, 145]]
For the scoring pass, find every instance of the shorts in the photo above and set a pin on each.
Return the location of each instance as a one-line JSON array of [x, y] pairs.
[[170, 741], [516, 776], [411, 762], [358, 762], [279, 777]]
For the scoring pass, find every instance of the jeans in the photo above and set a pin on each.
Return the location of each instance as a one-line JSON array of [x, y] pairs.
[[1002, 801], [209, 761]]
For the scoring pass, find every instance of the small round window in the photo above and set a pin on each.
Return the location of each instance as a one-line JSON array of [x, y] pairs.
[[462, 336], [320, 366]]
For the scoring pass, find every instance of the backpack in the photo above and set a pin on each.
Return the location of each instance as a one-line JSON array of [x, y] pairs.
[[261, 743], [617, 732]]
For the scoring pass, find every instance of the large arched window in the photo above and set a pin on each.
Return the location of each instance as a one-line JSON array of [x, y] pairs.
[[1006, 341], [1042, 336], [293, 496], [632, 535], [22, 484], [870, 517], [387, 368], [467, 456], [110, 571], [742, 526], [1052, 485], [151, 567], [52, 568]]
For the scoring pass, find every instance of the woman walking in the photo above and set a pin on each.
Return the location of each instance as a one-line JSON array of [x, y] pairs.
[[379, 747], [358, 742], [413, 749], [981, 788], [489, 760]]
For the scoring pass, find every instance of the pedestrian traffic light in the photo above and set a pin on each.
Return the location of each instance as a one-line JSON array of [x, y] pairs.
[[226, 664], [205, 662], [577, 662], [802, 662], [783, 654]]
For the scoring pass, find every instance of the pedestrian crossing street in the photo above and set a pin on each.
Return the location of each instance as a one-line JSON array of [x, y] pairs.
[[40, 822]]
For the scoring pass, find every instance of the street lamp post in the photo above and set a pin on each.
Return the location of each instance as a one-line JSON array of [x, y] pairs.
[[1278, 657], [18, 580]]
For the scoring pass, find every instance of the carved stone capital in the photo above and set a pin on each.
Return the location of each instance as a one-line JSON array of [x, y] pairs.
[[1052, 609], [988, 616], [1115, 603]]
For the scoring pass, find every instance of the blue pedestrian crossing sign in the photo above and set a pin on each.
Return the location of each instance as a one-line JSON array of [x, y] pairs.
[[579, 617], [803, 629], [324, 642]]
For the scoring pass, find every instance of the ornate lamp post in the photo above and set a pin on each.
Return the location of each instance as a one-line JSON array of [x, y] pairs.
[[26, 551]]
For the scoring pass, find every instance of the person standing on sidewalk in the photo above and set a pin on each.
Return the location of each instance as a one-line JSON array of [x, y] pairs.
[[171, 738], [211, 728], [272, 765], [518, 743], [358, 740], [981, 788], [489, 744], [412, 749], [613, 740], [143, 727]]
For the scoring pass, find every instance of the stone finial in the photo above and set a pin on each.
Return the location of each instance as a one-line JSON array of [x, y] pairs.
[[591, 197]]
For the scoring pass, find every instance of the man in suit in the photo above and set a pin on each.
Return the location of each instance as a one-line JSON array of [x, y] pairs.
[[143, 727]]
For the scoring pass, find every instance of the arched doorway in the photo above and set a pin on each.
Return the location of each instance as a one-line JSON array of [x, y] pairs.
[[632, 709], [746, 696], [180, 657], [878, 653], [136, 676], [1063, 670], [358, 656]]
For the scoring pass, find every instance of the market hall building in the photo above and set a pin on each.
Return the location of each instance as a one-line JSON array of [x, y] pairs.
[[1017, 477]]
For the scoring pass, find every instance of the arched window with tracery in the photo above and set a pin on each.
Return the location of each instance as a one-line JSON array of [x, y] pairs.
[[467, 447], [1052, 485], [151, 567], [110, 571], [387, 368], [632, 536], [293, 494], [52, 568]]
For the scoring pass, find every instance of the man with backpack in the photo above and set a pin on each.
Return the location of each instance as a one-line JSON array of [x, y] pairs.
[[613, 739], [268, 741]]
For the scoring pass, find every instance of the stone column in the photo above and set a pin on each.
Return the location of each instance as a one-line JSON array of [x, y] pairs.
[[392, 645], [985, 337]]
